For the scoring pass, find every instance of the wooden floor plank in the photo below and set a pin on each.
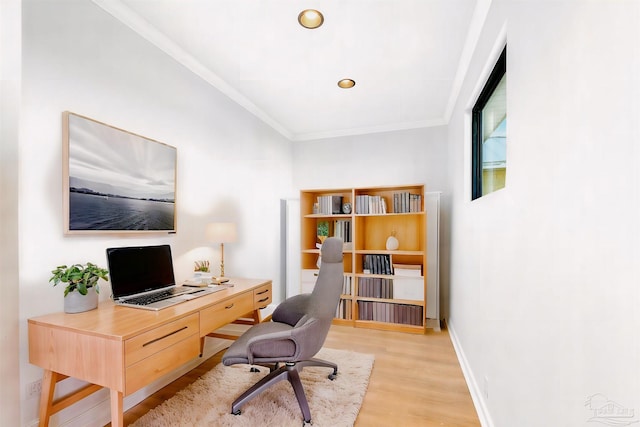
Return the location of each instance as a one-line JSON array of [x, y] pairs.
[[416, 380]]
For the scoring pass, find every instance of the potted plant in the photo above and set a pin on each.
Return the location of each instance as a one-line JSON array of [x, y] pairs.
[[81, 292], [201, 266]]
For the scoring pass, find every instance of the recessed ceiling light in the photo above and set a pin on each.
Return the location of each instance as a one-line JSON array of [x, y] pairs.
[[346, 83], [310, 18]]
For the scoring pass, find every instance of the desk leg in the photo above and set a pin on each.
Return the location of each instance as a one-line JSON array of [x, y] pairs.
[[257, 318], [117, 408], [49, 379]]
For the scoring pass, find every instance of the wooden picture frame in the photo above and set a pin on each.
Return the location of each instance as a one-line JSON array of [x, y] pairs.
[[115, 181]]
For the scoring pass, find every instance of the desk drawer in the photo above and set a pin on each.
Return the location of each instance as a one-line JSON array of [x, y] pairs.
[[161, 363], [225, 312], [262, 297], [160, 338]]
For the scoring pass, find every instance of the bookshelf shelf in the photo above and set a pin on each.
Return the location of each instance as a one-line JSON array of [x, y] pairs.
[[373, 296], [327, 216], [386, 252]]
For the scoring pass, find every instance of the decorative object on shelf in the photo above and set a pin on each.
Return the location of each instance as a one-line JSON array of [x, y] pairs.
[[201, 266], [322, 231], [346, 208], [81, 292], [392, 242], [201, 274], [221, 232]]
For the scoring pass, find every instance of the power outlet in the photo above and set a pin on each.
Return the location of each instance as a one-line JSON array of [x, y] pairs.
[[485, 387], [34, 389]]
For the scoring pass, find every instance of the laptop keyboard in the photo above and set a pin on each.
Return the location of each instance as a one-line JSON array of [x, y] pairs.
[[151, 298]]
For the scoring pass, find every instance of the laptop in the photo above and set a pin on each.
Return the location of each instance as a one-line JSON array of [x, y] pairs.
[[142, 277]]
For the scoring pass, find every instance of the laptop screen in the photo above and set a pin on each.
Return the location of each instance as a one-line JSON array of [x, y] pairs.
[[138, 269]]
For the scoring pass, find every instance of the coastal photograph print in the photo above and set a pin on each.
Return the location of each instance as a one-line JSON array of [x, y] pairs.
[[115, 181]]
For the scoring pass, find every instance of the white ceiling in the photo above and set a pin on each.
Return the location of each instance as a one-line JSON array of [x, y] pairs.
[[408, 57]]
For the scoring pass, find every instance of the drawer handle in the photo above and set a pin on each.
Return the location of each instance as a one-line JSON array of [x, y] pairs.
[[262, 308], [229, 306], [165, 336], [264, 299], [262, 292]]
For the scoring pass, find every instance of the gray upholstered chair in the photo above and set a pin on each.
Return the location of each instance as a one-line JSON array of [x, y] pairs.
[[296, 332]]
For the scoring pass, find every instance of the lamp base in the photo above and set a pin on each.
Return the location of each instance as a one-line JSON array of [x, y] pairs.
[[219, 280]]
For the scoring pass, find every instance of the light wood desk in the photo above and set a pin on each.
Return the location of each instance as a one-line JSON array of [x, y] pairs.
[[124, 349]]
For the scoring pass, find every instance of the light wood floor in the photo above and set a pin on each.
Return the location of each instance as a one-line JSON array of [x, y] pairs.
[[416, 380]]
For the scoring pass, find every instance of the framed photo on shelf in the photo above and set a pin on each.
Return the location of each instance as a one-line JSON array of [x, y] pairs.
[[115, 181]]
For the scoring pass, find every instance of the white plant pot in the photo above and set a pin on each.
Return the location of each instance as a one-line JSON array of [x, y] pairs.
[[75, 302]]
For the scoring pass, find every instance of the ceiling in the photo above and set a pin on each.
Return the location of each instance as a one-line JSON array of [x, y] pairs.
[[408, 57]]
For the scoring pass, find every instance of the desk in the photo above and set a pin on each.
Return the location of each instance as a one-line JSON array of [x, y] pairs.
[[124, 349]]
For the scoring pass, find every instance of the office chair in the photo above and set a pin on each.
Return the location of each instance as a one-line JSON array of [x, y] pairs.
[[296, 332]]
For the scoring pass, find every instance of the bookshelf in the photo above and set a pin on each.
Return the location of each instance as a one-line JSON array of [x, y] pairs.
[[383, 288]]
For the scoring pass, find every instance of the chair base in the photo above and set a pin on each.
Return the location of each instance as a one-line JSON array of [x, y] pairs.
[[291, 373]]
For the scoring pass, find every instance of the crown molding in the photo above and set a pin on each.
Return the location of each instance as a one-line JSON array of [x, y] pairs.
[[142, 27], [475, 28], [369, 130]]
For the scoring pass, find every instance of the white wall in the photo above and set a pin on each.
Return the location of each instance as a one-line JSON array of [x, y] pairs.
[[231, 166], [545, 274], [10, 35], [410, 156]]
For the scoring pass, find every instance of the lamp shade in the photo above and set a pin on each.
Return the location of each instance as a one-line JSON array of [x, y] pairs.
[[221, 232]]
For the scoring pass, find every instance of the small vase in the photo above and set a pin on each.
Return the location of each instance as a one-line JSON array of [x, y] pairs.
[[392, 243], [75, 302]]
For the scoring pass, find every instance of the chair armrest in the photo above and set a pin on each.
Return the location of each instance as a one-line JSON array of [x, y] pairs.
[[271, 338], [304, 339]]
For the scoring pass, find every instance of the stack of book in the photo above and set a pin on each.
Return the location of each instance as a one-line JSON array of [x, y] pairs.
[[377, 264], [346, 285], [328, 205], [390, 313], [342, 229], [366, 204], [404, 202], [344, 309], [375, 287]]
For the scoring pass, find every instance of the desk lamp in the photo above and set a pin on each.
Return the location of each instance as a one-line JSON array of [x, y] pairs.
[[221, 232]]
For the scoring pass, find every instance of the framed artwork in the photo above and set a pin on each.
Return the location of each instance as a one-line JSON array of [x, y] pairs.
[[115, 181]]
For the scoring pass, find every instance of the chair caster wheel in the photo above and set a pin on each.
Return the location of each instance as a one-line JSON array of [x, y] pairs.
[[254, 369], [238, 412], [306, 423], [333, 376]]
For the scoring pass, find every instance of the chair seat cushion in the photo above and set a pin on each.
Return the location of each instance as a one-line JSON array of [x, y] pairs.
[[269, 351]]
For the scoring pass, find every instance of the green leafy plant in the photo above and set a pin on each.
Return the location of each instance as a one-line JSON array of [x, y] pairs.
[[202, 266], [79, 276], [323, 228]]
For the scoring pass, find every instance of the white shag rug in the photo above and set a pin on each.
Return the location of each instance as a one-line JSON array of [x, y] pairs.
[[207, 401]]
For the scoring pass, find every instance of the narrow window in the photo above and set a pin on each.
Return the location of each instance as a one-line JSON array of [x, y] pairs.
[[489, 133]]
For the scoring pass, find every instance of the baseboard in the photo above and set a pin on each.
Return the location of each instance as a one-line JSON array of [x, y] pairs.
[[476, 393]]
